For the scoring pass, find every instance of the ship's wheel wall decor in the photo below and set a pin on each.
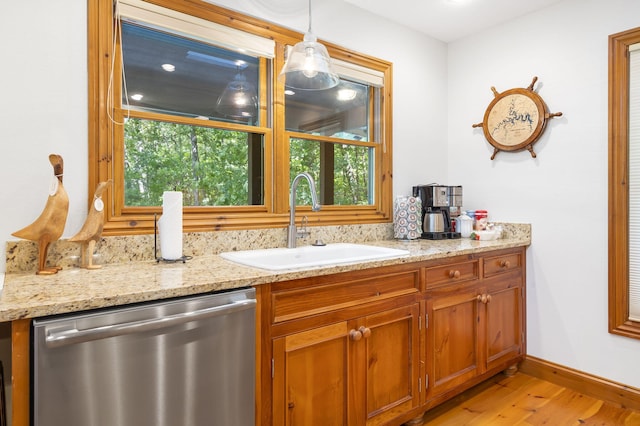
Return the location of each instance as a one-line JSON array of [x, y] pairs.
[[515, 119]]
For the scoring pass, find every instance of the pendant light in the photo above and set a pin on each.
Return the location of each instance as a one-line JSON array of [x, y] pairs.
[[239, 99], [308, 65]]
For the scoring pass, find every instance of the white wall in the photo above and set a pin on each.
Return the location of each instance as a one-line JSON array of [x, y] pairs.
[[43, 82], [563, 192]]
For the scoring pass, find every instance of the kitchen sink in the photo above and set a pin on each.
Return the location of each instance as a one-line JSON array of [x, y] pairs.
[[276, 259]]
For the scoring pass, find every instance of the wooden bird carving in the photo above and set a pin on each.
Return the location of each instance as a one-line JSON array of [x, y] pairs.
[[91, 231], [48, 227]]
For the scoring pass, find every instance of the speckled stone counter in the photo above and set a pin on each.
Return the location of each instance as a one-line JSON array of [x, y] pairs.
[[26, 295]]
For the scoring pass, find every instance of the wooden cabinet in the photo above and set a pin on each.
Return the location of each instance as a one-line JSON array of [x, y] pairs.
[[387, 365], [358, 372], [381, 346], [350, 359], [504, 305], [311, 376], [503, 331], [453, 340], [475, 326]]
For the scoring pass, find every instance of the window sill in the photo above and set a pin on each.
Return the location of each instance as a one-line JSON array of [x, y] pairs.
[[144, 223]]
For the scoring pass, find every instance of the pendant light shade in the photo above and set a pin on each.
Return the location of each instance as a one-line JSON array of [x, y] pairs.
[[239, 99], [308, 65]]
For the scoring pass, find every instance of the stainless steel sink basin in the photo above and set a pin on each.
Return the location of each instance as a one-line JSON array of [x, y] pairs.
[[276, 259]]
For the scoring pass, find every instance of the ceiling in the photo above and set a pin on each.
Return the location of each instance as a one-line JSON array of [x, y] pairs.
[[450, 20]]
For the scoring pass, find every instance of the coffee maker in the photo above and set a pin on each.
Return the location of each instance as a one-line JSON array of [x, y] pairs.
[[439, 204]]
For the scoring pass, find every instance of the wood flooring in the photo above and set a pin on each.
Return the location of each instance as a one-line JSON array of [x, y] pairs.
[[523, 400]]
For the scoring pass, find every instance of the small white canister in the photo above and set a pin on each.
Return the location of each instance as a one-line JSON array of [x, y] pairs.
[[465, 225]]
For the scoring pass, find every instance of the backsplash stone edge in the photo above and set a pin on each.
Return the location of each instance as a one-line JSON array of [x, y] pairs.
[[22, 255]]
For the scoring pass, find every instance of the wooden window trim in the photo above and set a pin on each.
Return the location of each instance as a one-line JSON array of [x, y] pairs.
[[274, 213], [619, 322]]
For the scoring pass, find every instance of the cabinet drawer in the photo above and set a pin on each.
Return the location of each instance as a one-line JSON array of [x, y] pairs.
[[309, 299], [452, 273], [501, 264]]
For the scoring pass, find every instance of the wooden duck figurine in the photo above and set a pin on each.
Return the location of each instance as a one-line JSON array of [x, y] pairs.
[[48, 227], [91, 231]]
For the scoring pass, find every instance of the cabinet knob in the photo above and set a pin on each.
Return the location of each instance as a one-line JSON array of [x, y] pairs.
[[355, 335], [488, 298], [505, 263], [454, 274], [366, 332], [483, 298]]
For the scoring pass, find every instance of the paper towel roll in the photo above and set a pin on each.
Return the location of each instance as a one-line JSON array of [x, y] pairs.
[[170, 225]]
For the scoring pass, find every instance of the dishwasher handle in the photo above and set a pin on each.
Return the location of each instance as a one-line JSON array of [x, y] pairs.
[[72, 336]]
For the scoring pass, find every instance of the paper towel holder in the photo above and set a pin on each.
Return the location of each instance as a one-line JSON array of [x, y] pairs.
[[159, 259]]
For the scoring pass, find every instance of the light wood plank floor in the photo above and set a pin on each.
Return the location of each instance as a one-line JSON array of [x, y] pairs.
[[524, 400]]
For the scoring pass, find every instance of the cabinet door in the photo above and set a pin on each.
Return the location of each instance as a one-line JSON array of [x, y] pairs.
[[453, 354], [310, 371], [388, 359], [504, 325]]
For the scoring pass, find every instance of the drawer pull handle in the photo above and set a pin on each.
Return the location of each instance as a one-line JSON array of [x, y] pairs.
[[355, 335], [484, 298], [455, 274], [505, 264], [366, 332]]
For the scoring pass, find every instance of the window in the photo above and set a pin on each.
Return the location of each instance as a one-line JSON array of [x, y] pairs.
[[200, 83], [624, 182], [210, 166], [634, 182], [340, 156], [180, 100]]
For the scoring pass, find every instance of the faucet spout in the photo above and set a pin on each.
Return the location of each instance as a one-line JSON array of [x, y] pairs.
[[292, 232]]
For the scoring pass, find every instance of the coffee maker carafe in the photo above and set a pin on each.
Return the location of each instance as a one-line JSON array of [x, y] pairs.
[[438, 204]]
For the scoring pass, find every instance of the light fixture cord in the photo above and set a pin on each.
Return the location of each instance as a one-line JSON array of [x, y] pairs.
[[117, 34], [309, 17]]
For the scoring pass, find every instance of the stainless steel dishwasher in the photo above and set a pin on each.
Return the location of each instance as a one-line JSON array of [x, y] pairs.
[[182, 362]]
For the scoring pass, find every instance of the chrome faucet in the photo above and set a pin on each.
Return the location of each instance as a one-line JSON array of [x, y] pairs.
[[292, 231]]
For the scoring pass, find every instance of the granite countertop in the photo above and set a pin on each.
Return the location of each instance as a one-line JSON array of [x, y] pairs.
[[26, 295]]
